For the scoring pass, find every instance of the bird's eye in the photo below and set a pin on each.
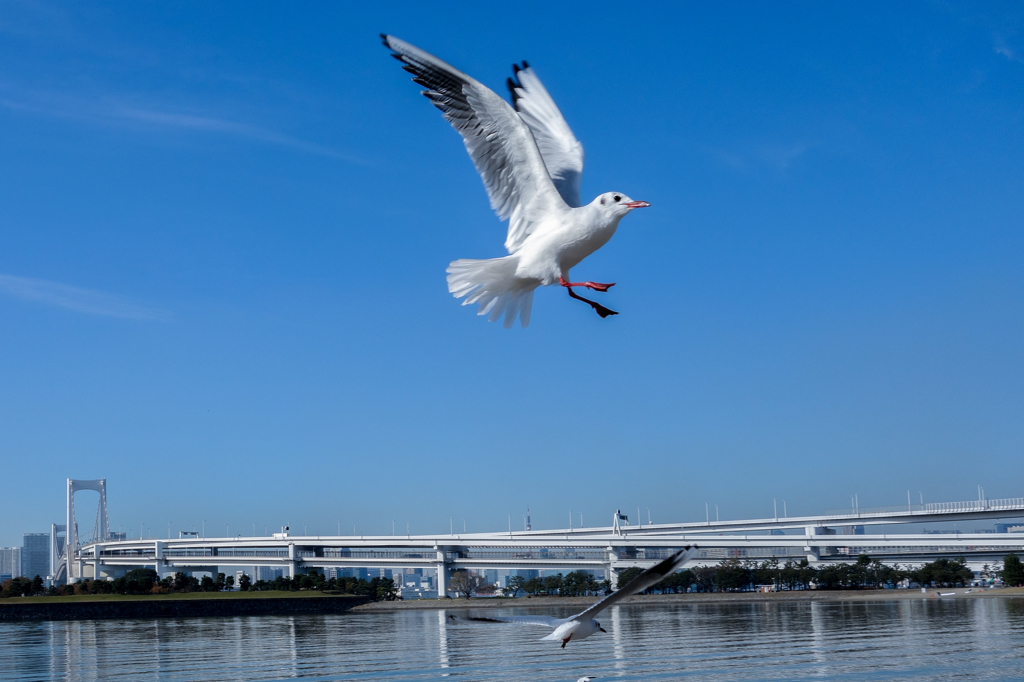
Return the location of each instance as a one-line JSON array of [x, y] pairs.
[[618, 198]]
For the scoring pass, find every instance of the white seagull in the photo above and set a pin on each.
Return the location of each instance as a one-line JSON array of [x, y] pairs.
[[583, 624], [531, 165]]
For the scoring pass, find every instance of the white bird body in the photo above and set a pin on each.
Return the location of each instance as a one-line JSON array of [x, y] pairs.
[[574, 629], [583, 624], [531, 166], [562, 243]]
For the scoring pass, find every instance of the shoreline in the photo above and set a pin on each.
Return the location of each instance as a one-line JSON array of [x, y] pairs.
[[195, 607], [691, 598], [101, 607]]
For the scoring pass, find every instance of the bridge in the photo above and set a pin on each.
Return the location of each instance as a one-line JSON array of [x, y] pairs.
[[608, 549]]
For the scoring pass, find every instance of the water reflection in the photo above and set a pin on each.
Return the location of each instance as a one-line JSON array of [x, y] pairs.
[[894, 640]]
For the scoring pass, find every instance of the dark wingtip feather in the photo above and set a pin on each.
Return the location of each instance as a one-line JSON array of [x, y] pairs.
[[512, 85], [525, 64]]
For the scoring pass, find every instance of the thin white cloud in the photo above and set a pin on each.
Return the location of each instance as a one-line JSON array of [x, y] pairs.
[[776, 157], [1003, 48], [80, 300], [217, 125], [781, 157], [113, 113]]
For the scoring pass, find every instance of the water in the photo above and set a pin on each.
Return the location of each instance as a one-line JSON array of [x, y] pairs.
[[976, 639]]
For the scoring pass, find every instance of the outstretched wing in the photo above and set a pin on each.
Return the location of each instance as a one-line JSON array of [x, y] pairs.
[[561, 151], [499, 142], [546, 621], [652, 576]]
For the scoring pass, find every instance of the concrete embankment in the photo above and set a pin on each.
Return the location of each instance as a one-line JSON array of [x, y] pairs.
[[174, 608]]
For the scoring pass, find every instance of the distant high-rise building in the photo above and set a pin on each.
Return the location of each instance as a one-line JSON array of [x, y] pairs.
[[268, 573], [10, 562], [35, 555]]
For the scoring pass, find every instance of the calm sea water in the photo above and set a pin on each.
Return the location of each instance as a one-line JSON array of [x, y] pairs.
[[978, 639]]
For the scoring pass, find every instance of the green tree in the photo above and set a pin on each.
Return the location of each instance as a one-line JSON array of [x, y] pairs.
[[181, 582], [386, 590], [679, 581], [220, 582], [860, 573], [1013, 570], [553, 584], [515, 583], [578, 584], [139, 580], [17, 587], [244, 582], [834, 577], [944, 573], [533, 585], [732, 575], [704, 578], [626, 575]]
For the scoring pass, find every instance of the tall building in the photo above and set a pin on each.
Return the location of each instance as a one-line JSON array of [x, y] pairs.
[[268, 573], [35, 555], [10, 562]]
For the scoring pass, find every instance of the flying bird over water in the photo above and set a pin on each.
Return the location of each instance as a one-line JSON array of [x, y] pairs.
[[531, 165], [583, 624]]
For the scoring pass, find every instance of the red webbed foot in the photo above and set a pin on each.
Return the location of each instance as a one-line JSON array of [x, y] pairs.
[[596, 286], [598, 308]]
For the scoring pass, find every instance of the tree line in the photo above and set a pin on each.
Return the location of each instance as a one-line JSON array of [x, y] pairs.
[[731, 575], [147, 581], [736, 575]]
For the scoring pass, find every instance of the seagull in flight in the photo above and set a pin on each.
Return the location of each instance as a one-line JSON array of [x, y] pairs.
[[531, 165], [583, 624]]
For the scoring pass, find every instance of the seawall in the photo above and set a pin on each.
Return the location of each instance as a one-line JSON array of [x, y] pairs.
[[175, 608]]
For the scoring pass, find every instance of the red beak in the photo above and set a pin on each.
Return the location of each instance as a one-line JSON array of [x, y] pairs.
[[636, 204]]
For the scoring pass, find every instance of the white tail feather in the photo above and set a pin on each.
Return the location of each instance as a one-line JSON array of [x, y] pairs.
[[493, 284]]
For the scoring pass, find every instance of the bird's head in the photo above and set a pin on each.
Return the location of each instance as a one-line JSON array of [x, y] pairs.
[[617, 204]]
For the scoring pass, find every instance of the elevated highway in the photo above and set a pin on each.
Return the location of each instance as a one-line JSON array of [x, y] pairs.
[[609, 549]]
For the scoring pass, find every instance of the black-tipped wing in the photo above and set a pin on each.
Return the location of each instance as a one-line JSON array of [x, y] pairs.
[[561, 151], [497, 139], [546, 621], [652, 576]]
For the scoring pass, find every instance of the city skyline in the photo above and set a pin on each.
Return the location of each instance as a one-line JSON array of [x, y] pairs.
[[225, 231]]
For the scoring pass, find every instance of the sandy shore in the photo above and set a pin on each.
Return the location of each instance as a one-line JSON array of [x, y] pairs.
[[695, 598]]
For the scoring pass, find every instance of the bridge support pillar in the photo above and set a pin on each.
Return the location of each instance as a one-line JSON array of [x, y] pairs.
[[610, 572], [292, 564], [443, 573], [158, 558], [96, 570]]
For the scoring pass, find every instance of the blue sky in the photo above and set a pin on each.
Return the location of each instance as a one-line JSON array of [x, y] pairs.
[[224, 230]]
